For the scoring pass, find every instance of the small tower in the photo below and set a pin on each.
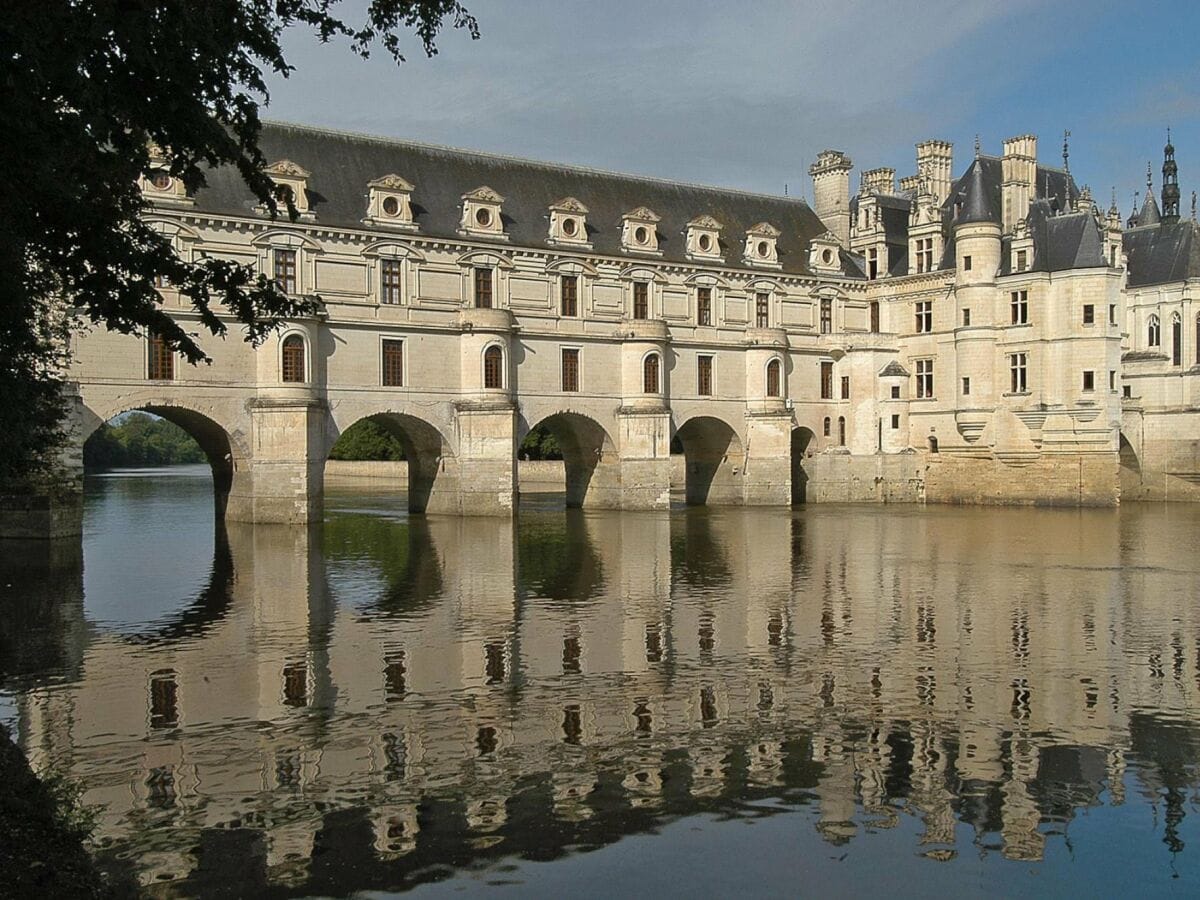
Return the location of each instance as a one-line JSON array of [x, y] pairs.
[[831, 192], [1170, 186], [1149, 214]]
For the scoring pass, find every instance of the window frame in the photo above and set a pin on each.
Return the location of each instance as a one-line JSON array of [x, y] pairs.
[[923, 370], [641, 300], [704, 297], [576, 353], [1018, 368], [289, 339], [391, 281], [923, 316], [773, 378], [493, 351], [385, 342], [568, 301], [158, 355], [762, 309], [483, 280], [826, 379], [705, 380], [652, 380], [285, 269]]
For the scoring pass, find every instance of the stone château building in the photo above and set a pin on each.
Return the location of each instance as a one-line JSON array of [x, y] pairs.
[[992, 337]]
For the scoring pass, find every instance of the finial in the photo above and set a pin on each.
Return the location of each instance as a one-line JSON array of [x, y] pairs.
[[1168, 135], [1066, 151], [1114, 197], [977, 145], [1193, 206], [1149, 177]]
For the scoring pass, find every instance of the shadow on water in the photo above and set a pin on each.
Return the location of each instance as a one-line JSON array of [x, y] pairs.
[[387, 700]]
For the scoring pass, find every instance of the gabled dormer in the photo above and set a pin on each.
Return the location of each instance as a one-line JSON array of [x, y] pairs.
[[291, 182], [925, 240], [704, 239], [824, 254], [639, 232], [389, 203], [568, 223], [761, 246], [159, 185], [1021, 248], [481, 210]]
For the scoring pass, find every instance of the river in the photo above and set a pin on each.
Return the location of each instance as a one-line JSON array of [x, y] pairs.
[[825, 700]]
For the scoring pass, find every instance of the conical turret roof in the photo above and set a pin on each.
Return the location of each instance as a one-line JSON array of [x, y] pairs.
[[976, 207], [1149, 214]]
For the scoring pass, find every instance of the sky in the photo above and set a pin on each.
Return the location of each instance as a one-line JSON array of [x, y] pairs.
[[744, 95]]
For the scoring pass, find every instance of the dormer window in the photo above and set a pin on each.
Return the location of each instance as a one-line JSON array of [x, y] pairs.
[[824, 254], [568, 222], [291, 182], [639, 232], [704, 238], [761, 246], [159, 185], [481, 213], [389, 203]]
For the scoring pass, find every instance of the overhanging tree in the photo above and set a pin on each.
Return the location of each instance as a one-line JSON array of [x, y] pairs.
[[87, 89]]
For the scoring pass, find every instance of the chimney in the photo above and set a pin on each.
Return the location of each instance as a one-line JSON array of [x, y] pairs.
[[935, 164], [831, 192], [879, 181], [1019, 179]]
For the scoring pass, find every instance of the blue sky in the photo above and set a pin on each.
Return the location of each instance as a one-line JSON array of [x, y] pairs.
[[745, 94]]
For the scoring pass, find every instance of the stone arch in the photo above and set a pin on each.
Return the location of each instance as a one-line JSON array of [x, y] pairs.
[[714, 461], [589, 457], [224, 448], [1130, 472], [804, 442], [432, 474]]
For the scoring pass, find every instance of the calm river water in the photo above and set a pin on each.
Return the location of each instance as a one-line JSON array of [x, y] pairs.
[[827, 700]]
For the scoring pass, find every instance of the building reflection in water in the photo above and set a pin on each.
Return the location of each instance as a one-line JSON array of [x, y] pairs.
[[342, 707]]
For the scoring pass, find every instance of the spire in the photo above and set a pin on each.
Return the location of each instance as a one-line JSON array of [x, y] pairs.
[[1133, 215], [1193, 206], [1067, 152], [977, 145], [1170, 186], [975, 203]]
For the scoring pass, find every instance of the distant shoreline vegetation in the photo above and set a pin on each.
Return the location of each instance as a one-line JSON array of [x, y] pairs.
[[140, 440]]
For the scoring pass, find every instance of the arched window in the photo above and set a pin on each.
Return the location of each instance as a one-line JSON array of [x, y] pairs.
[[493, 367], [825, 427], [650, 374], [773, 370], [1176, 340], [1153, 334], [293, 359], [841, 431], [933, 444]]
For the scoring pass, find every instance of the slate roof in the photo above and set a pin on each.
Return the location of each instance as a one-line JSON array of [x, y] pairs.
[[1149, 214], [342, 164], [1162, 253], [980, 187]]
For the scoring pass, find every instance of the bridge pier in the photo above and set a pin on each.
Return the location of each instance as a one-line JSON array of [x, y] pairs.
[[282, 480], [644, 468], [767, 466]]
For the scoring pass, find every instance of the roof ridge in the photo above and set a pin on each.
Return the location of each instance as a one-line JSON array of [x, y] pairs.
[[590, 170]]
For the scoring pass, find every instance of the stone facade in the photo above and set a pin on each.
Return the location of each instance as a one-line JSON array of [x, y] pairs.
[[986, 330]]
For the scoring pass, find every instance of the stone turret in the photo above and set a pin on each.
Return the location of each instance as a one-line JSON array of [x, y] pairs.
[[1170, 187], [831, 192]]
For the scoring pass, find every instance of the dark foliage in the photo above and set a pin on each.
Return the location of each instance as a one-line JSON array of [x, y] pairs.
[[88, 90], [140, 440], [367, 440], [540, 443]]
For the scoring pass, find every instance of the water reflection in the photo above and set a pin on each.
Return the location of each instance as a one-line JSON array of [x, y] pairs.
[[379, 701]]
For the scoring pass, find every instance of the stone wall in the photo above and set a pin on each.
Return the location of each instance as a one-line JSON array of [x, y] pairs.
[[1049, 480], [879, 478]]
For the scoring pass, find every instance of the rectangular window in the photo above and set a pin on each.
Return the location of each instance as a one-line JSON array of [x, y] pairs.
[[570, 369], [895, 392], [162, 360], [641, 300], [1016, 369], [1019, 306], [924, 379], [1089, 314], [1089, 382], [845, 387], [285, 270], [925, 255], [1022, 260], [966, 387], [483, 288], [704, 376], [924, 316], [704, 306], [1127, 391], [570, 295], [393, 363], [390, 281], [164, 700], [762, 309], [895, 422], [826, 381], [966, 317], [1112, 314], [826, 317], [966, 264], [872, 264], [1112, 379]]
